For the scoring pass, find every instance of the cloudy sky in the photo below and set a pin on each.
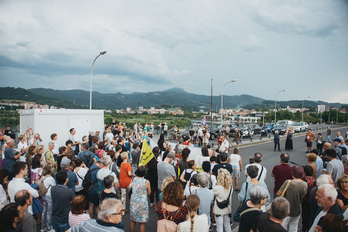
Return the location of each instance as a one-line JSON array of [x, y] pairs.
[[153, 45]]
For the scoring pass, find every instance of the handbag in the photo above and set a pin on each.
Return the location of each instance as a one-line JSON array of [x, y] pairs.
[[223, 204], [236, 215]]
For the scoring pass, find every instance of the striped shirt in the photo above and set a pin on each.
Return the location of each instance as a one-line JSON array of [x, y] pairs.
[[77, 219], [92, 225]]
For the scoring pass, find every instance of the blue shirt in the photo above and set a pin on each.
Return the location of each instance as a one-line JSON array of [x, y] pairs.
[[9, 160], [320, 166], [72, 180]]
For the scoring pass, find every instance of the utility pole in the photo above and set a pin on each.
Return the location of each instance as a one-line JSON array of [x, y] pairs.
[[211, 104]]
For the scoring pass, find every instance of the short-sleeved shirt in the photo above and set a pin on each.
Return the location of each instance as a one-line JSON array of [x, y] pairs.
[[125, 180], [281, 173], [263, 223], [61, 198], [104, 195], [335, 167], [9, 160], [49, 156], [102, 173], [226, 166], [164, 170], [294, 194]]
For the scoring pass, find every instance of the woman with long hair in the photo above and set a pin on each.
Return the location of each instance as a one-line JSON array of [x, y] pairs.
[[4, 173], [30, 155], [36, 168], [195, 222], [49, 182], [223, 191]]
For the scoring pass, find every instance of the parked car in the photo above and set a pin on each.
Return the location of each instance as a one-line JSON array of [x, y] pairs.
[[255, 129], [281, 126], [221, 129], [300, 126]]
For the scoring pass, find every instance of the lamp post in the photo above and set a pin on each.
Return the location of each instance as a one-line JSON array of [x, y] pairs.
[[222, 98], [275, 105], [90, 86], [302, 106]]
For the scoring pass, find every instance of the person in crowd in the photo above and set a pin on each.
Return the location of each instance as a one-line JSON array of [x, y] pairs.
[[262, 174], [328, 134], [236, 137], [62, 153], [276, 139], [342, 198], [210, 151], [36, 168], [24, 199], [323, 179], [10, 133], [126, 176], [61, 198], [72, 181], [206, 195], [108, 184], [334, 167], [30, 155], [331, 223], [10, 216], [339, 136], [77, 213], [194, 222], [162, 144], [281, 172], [223, 164], [134, 155], [75, 144], [105, 171], [171, 207], [152, 176], [168, 149], [252, 171], [203, 157], [92, 194], [320, 143], [35, 140], [188, 173], [206, 166], [165, 182], [166, 169], [184, 161], [109, 218], [54, 138], [100, 151], [288, 142], [326, 197], [265, 222], [309, 140], [49, 182], [206, 136], [80, 171], [139, 207], [109, 136], [223, 148], [294, 190], [49, 155], [10, 156], [3, 187], [223, 191], [252, 208], [192, 186], [20, 170], [22, 146], [318, 162], [311, 183], [236, 162], [87, 156], [311, 158]]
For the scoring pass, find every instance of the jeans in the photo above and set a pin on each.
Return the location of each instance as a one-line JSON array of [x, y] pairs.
[[47, 212], [276, 143], [223, 222], [291, 223], [329, 138], [60, 226]]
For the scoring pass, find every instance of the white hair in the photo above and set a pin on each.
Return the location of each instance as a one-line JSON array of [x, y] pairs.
[[108, 207], [203, 179], [105, 160], [329, 191], [323, 179], [257, 193]]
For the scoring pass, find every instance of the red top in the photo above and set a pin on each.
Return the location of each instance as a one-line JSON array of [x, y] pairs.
[[281, 173], [125, 180]]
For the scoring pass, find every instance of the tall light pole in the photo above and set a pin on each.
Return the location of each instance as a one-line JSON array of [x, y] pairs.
[[275, 105], [302, 105], [222, 98], [90, 86], [211, 104]]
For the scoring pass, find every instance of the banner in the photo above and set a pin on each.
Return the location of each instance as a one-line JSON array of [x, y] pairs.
[[203, 122], [146, 154]]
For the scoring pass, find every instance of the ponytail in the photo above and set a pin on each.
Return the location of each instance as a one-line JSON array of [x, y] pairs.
[[192, 216], [192, 204]]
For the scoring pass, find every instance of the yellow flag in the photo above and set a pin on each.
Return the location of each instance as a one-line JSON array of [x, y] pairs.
[[146, 154]]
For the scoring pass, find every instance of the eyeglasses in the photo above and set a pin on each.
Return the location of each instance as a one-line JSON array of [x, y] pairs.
[[344, 182], [122, 212]]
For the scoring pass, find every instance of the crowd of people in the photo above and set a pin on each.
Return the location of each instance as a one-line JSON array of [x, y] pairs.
[[90, 184]]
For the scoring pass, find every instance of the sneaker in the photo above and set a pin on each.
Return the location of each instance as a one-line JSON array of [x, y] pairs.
[[43, 229], [211, 228], [213, 224], [231, 223]]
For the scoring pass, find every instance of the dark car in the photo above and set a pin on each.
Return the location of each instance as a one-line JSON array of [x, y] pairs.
[[221, 129], [186, 135]]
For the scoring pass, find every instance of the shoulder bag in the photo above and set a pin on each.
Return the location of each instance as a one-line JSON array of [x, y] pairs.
[[225, 203], [286, 188], [236, 216]]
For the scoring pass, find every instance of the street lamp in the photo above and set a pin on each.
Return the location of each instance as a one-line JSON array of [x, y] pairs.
[[222, 98], [275, 105], [302, 105], [90, 86]]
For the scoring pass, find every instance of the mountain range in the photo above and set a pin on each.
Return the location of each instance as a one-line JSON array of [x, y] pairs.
[[175, 97]]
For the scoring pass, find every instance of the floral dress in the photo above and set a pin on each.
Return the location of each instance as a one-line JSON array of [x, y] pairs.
[[139, 206]]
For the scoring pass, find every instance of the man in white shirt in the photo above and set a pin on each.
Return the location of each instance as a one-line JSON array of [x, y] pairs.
[[206, 136], [35, 140], [262, 170], [326, 198], [71, 137], [224, 145], [200, 134]]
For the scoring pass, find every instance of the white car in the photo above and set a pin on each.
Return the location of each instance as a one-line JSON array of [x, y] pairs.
[[300, 126]]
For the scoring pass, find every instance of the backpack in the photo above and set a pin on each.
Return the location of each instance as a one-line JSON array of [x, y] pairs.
[[87, 183], [166, 225], [101, 186], [344, 151], [42, 188], [88, 159]]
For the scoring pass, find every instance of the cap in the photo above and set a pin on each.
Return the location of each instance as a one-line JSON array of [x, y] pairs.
[[65, 163], [337, 140]]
